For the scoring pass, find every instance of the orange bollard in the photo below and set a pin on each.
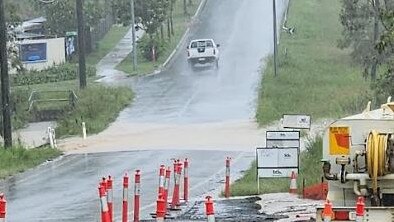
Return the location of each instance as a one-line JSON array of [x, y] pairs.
[[167, 185], [360, 209], [227, 185], [103, 204], [137, 190], [3, 207], [160, 209], [186, 180], [178, 203], [161, 179], [175, 195], [209, 211], [327, 214], [293, 183], [110, 197], [125, 198]]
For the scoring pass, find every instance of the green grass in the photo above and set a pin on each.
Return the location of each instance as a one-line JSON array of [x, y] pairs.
[[115, 34], [310, 170], [97, 106], [180, 22], [18, 159], [315, 77]]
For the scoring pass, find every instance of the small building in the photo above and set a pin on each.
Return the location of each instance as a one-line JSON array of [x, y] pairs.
[[39, 54]]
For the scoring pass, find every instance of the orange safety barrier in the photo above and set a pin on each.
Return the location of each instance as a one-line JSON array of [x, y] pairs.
[[315, 192], [3, 204]]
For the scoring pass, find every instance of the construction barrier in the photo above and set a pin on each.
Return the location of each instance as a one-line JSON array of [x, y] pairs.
[[110, 196], [209, 211], [315, 192], [161, 179], [175, 203], [328, 213], [125, 198], [227, 185], [137, 190], [160, 208], [360, 209], [186, 180], [103, 204], [167, 185], [293, 183], [3, 207]]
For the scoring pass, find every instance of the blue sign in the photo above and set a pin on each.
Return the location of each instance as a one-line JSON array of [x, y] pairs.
[[33, 52]]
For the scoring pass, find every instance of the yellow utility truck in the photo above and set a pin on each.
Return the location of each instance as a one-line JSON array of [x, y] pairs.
[[358, 160]]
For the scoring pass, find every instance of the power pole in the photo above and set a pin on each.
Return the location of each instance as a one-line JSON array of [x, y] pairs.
[[275, 36], [81, 45], [133, 36], [5, 84]]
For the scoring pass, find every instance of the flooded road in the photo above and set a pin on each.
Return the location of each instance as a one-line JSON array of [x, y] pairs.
[[204, 115]]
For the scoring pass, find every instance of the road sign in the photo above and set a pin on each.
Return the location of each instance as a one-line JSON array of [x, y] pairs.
[[280, 156], [296, 121], [277, 162]]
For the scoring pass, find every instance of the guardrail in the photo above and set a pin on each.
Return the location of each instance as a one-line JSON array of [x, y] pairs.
[[37, 97]]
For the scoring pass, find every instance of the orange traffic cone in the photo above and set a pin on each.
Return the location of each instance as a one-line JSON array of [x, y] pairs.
[[327, 214], [293, 183]]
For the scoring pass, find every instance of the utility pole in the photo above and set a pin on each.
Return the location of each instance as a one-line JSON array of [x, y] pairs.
[[133, 36], [81, 45], [275, 36], [5, 83]]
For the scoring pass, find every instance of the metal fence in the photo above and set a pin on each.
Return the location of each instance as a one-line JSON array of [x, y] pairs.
[[95, 34]]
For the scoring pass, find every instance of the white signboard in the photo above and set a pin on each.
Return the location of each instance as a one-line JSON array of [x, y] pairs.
[[296, 121], [283, 135], [277, 162], [282, 143], [279, 172]]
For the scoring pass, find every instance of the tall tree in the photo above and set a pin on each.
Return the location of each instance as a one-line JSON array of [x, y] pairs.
[[361, 31], [61, 16]]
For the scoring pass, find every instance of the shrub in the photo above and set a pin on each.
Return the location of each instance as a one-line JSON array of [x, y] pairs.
[[59, 73], [97, 106], [147, 43]]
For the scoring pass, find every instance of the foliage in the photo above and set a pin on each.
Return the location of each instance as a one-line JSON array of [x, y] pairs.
[[384, 85], [19, 104], [97, 106], [146, 44], [362, 27], [19, 159], [61, 15], [59, 73]]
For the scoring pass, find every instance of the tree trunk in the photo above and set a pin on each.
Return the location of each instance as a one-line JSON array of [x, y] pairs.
[[375, 39], [171, 16], [161, 32], [168, 29], [184, 7], [190, 2]]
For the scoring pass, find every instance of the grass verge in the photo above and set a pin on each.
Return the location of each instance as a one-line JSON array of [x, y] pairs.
[[310, 170], [180, 22], [115, 34], [18, 159], [97, 106], [314, 76]]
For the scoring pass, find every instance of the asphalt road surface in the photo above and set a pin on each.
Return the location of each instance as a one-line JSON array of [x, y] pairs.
[[66, 189], [243, 28]]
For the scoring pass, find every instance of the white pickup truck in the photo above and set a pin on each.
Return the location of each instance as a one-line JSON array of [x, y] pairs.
[[203, 51]]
